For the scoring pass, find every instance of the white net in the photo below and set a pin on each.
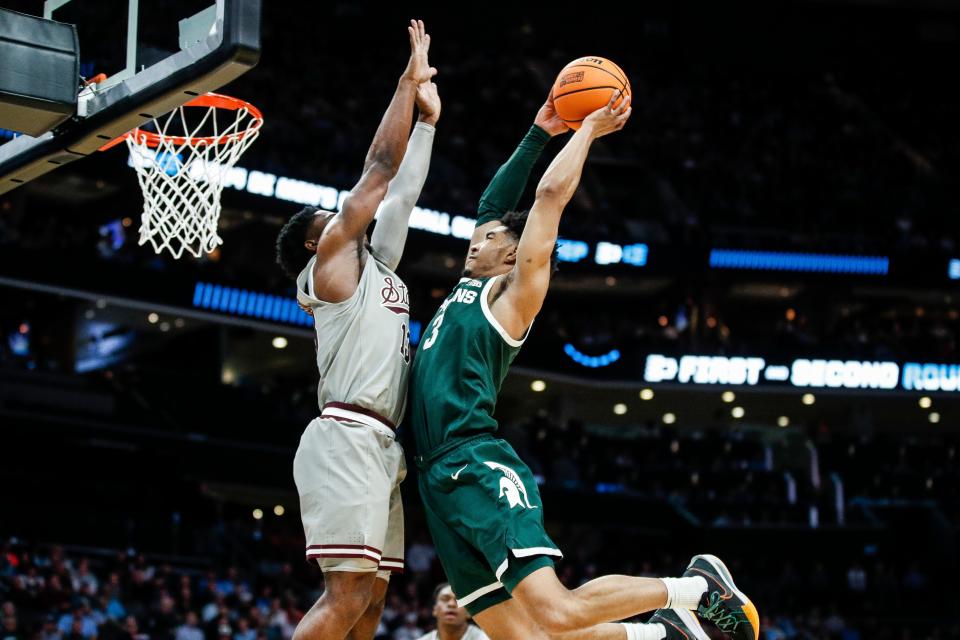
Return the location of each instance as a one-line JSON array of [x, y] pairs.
[[182, 168]]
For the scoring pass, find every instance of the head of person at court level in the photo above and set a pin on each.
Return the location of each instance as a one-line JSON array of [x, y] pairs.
[[446, 609]]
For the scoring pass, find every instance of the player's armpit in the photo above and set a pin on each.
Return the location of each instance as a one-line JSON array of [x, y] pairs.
[[358, 209], [519, 298]]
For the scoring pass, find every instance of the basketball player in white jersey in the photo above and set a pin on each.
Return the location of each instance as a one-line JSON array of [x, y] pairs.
[[349, 466], [453, 621]]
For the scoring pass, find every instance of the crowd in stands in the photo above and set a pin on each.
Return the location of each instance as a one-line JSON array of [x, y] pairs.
[[715, 322], [845, 573], [48, 593]]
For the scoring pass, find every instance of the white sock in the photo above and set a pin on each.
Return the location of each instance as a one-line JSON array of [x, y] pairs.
[[636, 631], [684, 593]]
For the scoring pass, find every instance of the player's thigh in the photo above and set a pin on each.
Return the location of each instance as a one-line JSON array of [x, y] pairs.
[[509, 620]]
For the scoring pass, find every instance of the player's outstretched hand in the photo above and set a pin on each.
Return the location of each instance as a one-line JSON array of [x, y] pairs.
[[428, 102], [418, 67], [609, 118], [548, 120]]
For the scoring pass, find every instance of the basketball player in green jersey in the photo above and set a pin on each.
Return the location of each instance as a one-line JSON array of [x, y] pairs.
[[481, 501]]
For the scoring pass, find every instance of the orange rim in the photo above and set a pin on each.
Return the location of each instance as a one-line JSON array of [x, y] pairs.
[[216, 100]]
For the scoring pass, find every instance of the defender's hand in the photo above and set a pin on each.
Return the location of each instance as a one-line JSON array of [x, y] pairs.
[[418, 67], [548, 120], [609, 119], [428, 102]]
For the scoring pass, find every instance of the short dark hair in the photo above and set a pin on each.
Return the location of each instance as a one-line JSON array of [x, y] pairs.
[[290, 241], [515, 221], [436, 592]]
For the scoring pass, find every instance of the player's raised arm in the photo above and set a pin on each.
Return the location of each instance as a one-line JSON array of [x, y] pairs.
[[527, 283], [505, 189], [390, 234], [385, 153]]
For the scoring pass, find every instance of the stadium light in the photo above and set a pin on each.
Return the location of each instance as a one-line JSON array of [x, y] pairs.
[[619, 408], [783, 421], [737, 412], [278, 510], [925, 402], [258, 514], [728, 396], [808, 399], [153, 318], [934, 417], [669, 418], [279, 342], [538, 386], [646, 394]]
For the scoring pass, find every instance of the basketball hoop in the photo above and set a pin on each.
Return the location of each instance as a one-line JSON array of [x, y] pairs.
[[182, 167]]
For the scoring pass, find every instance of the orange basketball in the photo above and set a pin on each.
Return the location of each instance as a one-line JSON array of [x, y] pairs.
[[584, 86]]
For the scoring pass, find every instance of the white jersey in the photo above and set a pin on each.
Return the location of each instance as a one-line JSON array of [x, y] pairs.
[[363, 343], [473, 633]]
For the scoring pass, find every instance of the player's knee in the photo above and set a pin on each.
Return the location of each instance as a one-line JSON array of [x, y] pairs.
[[559, 617], [348, 597], [352, 604], [376, 606]]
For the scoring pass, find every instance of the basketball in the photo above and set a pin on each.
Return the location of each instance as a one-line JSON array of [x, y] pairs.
[[585, 85]]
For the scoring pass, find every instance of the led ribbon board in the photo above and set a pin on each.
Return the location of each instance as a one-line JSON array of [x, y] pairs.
[[801, 373], [805, 262], [592, 362], [250, 304]]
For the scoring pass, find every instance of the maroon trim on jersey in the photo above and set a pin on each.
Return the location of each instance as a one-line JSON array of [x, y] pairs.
[[312, 555], [400, 311], [346, 546], [392, 561], [343, 551], [352, 407], [341, 419]]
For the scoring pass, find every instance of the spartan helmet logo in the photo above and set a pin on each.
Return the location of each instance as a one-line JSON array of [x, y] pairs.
[[511, 486]]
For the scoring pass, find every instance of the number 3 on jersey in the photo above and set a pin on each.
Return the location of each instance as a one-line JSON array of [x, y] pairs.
[[460, 295], [435, 325]]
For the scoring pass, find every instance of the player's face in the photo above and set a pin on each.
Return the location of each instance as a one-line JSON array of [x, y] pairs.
[[446, 609], [495, 254]]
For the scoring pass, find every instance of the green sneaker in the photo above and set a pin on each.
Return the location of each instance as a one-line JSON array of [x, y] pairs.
[[680, 624], [723, 604]]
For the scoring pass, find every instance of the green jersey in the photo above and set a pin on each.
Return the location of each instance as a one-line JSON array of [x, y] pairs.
[[463, 358]]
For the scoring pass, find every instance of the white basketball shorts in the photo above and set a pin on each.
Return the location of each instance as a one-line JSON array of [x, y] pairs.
[[348, 471]]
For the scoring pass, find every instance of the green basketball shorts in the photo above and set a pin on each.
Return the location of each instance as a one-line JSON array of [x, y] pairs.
[[486, 518]]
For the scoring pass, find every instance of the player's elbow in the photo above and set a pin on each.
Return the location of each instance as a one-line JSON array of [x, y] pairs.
[[550, 190], [383, 164], [406, 201]]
